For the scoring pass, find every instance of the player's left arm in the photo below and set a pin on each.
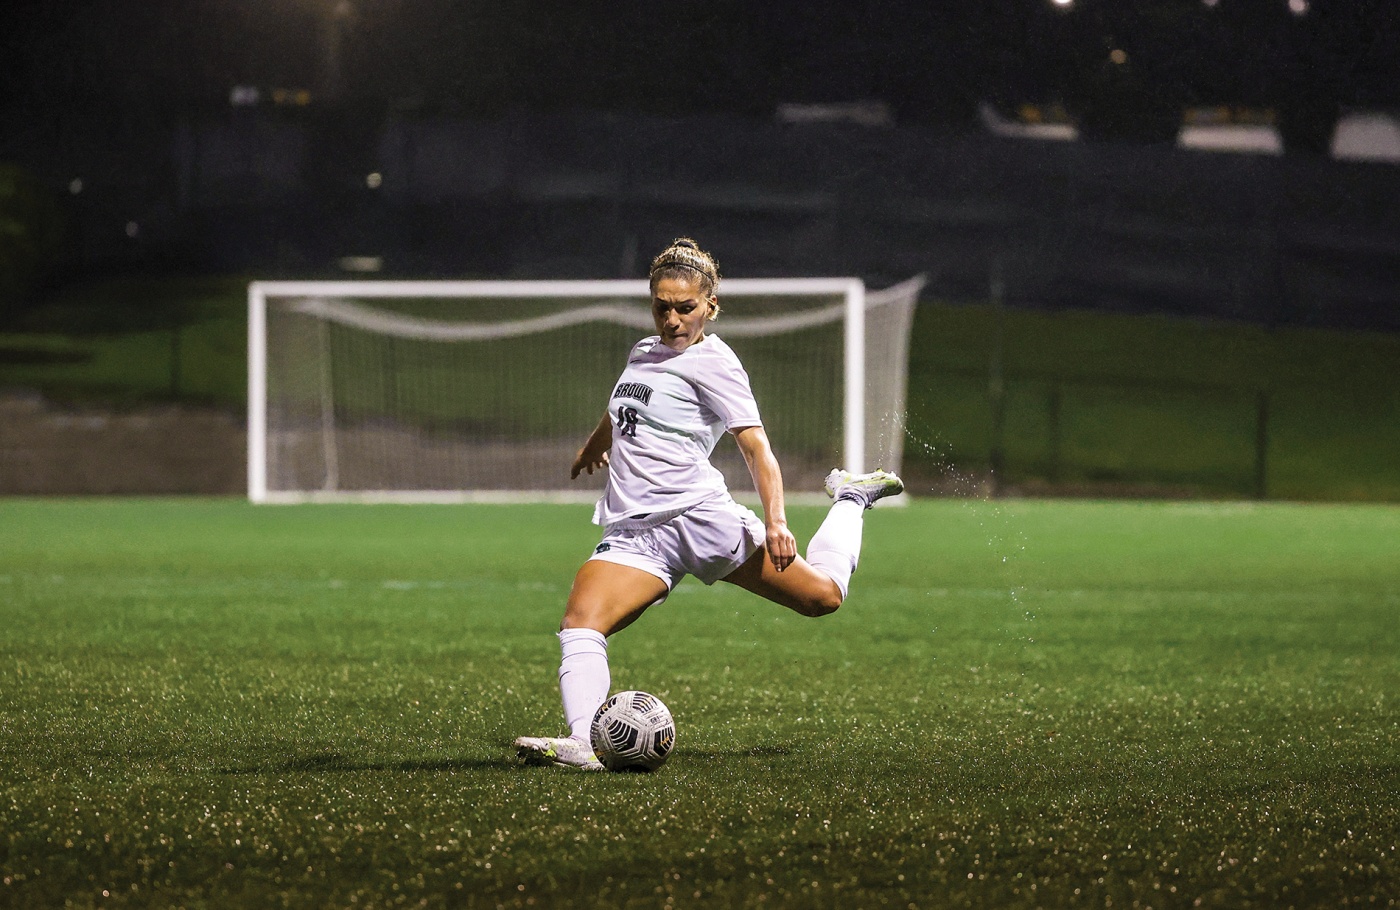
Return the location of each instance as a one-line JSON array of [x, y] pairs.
[[768, 480]]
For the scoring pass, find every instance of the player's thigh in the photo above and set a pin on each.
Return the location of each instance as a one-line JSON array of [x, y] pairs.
[[608, 596], [799, 587]]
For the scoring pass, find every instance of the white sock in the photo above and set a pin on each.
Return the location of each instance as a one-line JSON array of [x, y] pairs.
[[583, 678], [835, 548]]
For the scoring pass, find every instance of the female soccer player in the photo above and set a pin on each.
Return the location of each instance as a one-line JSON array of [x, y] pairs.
[[665, 510]]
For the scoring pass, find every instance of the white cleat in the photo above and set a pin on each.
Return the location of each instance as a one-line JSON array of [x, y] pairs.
[[560, 751], [866, 489]]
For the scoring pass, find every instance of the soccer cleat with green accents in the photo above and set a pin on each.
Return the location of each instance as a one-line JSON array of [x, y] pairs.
[[559, 751], [866, 489]]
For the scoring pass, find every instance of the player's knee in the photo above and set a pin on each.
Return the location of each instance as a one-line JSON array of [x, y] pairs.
[[823, 601], [581, 615]]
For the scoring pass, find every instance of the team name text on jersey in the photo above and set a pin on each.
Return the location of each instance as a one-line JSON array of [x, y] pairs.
[[634, 390]]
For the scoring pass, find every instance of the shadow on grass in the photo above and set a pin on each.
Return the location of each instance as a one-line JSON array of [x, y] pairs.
[[328, 762], [334, 762]]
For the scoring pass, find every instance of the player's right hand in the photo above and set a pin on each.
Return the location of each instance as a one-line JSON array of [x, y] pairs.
[[781, 544]]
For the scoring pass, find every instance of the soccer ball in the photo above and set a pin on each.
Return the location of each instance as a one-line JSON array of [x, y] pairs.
[[633, 731]]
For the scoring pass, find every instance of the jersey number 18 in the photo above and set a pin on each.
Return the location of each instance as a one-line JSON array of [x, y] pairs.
[[627, 421]]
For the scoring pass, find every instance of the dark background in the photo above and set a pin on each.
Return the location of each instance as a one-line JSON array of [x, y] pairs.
[[152, 60], [541, 139]]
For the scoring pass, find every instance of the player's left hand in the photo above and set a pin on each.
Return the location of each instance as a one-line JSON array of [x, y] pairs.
[[782, 546]]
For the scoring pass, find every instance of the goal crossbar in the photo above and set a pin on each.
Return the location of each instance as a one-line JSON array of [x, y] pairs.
[[338, 302]]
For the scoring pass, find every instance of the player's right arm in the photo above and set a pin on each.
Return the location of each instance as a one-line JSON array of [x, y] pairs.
[[594, 454]]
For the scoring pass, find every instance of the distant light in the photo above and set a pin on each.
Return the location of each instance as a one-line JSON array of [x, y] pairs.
[[1031, 123], [1298, 7], [862, 113], [75, 186], [374, 180], [1118, 56], [244, 96], [292, 97], [1063, 3], [1367, 136], [132, 229], [1215, 130], [1211, 3], [361, 263]]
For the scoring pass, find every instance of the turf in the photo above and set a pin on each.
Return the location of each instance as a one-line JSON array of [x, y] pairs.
[[1024, 703]]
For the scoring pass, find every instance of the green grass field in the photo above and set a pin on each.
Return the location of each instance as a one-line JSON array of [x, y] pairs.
[[1024, 703]]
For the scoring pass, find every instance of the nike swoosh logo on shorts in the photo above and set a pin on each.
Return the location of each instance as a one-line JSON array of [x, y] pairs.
[[736, 548]]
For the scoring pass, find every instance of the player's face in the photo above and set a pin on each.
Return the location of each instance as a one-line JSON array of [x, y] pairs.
[[680, 311]]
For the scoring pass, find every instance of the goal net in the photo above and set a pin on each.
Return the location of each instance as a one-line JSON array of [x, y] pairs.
[[442, 391]]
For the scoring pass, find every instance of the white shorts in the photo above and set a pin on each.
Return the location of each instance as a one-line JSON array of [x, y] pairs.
[[709, 541]]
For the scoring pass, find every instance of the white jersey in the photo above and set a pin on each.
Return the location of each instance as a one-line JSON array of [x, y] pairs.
[[668, 411]]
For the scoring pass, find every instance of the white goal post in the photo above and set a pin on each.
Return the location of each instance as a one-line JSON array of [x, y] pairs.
[[456, 391]]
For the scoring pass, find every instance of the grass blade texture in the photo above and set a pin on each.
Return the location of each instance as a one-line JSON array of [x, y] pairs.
[[1023, 703]]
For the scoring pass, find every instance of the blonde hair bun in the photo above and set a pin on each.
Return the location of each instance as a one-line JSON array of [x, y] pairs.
[[684, 259]]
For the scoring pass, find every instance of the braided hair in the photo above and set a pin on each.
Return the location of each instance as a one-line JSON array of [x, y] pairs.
[[683, 260]]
